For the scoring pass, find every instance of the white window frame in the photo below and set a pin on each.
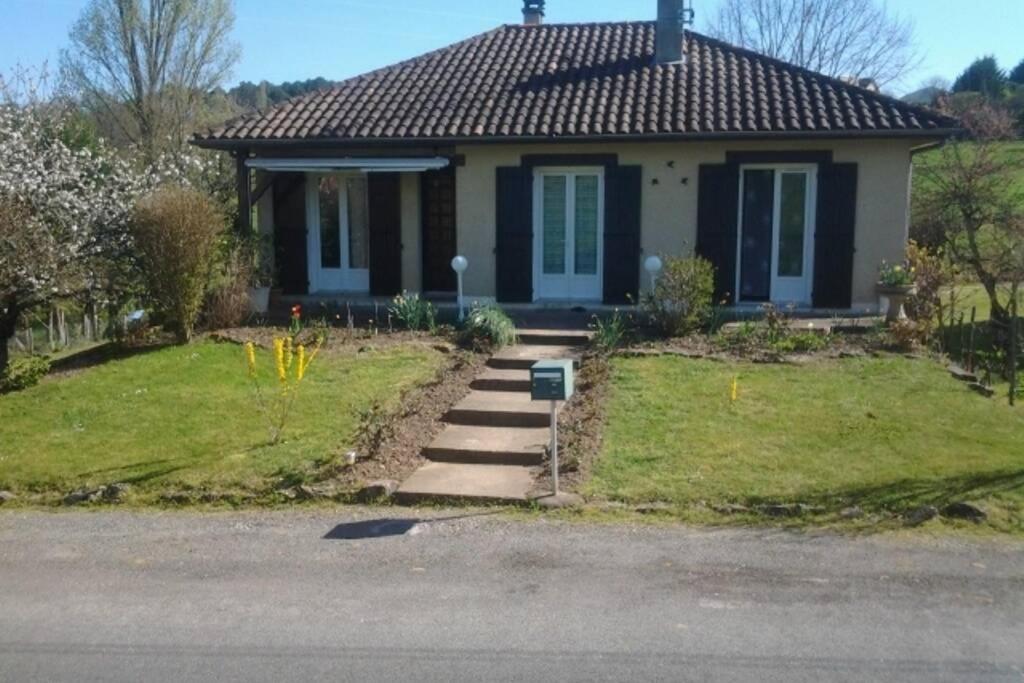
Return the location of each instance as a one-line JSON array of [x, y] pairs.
[[343, 279], [810, 230], [587, 287]]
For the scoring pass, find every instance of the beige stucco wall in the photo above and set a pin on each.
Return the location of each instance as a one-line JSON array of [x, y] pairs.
[[669, 208], [412, 233]]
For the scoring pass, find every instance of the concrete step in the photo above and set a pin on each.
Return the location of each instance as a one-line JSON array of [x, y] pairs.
[[441, 481], [496, 379], [523, 356], [489, 445], [546, 337], [500, 409]]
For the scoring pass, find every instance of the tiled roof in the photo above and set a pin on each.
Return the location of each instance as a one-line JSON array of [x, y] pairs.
[[583, 81]]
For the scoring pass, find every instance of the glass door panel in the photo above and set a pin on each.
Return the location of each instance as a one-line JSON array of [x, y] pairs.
[[756, 235], [792, 224], [554, 218]]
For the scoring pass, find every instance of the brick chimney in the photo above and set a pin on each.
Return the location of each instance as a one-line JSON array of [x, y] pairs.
[[533, 12], [670, 34]]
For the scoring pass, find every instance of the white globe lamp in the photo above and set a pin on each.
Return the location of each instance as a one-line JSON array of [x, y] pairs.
[[459, 265], [653, 266]]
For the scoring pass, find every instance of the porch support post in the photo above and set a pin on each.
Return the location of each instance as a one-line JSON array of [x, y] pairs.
[[244, 193]]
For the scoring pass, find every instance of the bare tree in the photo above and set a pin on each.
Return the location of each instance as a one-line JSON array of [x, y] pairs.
[[144, 66], [968, 194], [856, 39]]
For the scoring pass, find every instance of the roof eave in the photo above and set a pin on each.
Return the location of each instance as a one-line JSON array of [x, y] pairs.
[[255, 144]]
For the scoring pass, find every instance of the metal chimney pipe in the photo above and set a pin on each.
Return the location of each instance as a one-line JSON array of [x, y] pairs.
[[533, 12], [668, 35]]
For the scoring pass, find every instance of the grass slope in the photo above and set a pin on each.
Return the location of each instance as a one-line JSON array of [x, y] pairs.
[[184, 417], [887, 434]]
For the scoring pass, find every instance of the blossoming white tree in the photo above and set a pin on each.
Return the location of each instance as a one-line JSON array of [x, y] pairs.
[[64, 212]]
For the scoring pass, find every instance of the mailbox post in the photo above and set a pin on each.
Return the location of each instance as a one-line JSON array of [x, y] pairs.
[[552, 380]]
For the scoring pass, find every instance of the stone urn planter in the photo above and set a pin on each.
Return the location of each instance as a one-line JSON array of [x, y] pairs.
[[896, 295], [259, 299]]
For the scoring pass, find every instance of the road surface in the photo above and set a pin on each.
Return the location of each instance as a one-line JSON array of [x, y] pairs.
[[345, 596]]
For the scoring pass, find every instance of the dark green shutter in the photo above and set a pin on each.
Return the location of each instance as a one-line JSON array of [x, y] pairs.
[[622, 234], [514, 238], [834, 237], [384, 198], [290, 254], [717, 224]]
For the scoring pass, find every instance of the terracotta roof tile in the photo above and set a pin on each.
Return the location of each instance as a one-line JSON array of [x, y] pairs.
[[577, 80]]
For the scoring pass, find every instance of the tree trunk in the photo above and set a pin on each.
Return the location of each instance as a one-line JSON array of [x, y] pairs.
[[8, 328]]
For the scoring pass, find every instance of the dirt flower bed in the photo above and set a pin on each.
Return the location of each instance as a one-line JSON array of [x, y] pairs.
[[337, 338], [581, 425], [411, 427]]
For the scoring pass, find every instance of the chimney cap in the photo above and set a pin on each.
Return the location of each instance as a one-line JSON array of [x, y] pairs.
[[533, 12]]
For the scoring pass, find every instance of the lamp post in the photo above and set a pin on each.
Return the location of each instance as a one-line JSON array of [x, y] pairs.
[[653, 266], [459, 265]]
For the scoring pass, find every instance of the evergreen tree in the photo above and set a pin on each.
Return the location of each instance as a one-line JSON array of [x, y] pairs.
[[984, 76]]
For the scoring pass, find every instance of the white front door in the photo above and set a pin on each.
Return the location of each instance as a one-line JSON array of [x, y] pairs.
[[568, 229], [775, 251], [338, 235]]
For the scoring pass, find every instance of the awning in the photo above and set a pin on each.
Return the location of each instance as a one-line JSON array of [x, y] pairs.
[[361, 164]]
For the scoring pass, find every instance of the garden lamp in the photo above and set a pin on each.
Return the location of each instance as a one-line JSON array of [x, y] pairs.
[[653, 266], [459, 265]]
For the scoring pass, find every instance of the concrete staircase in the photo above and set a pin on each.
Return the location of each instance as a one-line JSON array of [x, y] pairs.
[[495, 439]]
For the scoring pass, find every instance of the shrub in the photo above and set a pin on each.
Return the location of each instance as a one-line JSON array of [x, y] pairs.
[[413, 313], [227, 302], [488, 327], [375, 425], [176, 232], [23, 373], [609, 333], [683, 296]]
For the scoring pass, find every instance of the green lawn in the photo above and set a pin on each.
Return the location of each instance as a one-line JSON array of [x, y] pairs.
[[1012, 150], [184, 418], [887, 434]]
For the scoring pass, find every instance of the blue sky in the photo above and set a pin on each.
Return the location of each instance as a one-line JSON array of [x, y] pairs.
[[298, 39]]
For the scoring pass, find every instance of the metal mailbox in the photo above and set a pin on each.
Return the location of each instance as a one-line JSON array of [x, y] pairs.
[[551, 380]]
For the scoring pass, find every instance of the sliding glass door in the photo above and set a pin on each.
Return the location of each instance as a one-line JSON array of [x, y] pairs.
[[776, 234]]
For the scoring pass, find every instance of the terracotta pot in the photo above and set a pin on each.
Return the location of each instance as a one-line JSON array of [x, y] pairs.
[[896, 295]]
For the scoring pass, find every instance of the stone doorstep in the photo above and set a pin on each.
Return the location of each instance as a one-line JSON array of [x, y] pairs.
[[474, 482], [489, 445], [523, 356], [496, 379], [545, 337], [500, 409]]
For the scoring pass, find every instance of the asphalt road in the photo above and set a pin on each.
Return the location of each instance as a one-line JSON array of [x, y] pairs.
[[290, 596]]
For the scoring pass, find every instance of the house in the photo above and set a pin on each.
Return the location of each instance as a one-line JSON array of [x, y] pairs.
[[557, 158]]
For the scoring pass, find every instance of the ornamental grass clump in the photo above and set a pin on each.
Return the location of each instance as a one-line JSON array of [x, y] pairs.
[[291, 363]]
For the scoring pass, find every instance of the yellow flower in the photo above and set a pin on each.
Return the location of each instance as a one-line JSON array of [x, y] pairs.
[[250, 357], [300, 367], [288, 353], [735, 393], [279, 359]]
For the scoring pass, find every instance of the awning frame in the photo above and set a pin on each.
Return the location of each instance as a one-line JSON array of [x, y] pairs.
[[360, 164]]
